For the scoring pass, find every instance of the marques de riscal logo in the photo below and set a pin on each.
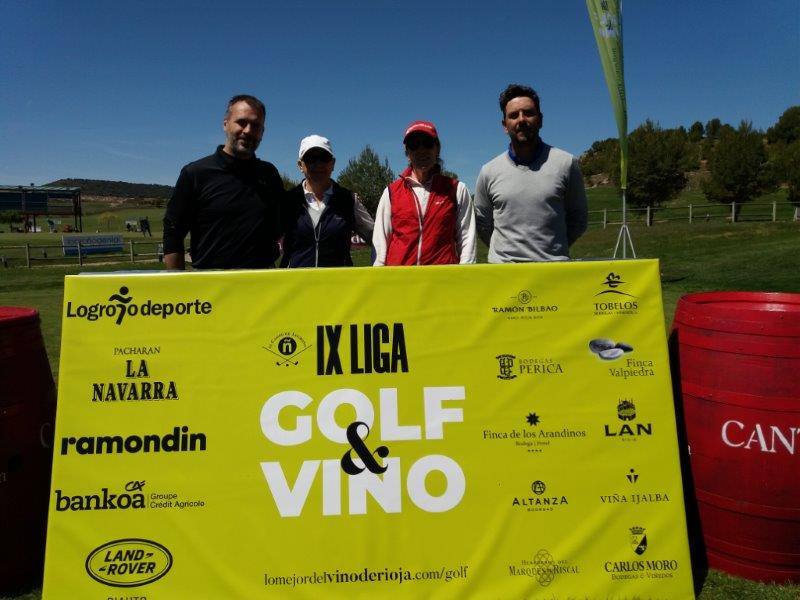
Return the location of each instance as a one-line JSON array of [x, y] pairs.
[[121, 305], [613, 300]]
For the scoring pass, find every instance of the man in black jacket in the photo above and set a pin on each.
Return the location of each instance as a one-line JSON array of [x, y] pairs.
[[228, 201]]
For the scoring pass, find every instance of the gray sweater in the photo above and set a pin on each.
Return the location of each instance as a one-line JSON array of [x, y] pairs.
[[530, 212]]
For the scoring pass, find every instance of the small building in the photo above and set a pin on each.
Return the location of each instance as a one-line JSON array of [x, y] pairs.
[[35, 201]]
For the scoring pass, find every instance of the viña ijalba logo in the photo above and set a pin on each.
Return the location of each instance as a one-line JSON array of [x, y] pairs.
[[121, 305], [128, 562]]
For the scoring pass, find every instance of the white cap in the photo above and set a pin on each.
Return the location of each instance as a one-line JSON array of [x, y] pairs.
[[314, 141]]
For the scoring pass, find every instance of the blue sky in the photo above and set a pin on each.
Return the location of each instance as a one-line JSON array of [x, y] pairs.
[[132, 91]]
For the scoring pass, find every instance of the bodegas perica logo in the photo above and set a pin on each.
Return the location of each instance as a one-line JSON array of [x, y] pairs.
[[121, 305]]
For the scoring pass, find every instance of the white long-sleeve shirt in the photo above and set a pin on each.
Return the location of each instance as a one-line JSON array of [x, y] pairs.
[[465, 221]]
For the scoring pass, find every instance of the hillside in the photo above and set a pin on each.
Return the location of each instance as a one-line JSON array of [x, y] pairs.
[[119, 189]]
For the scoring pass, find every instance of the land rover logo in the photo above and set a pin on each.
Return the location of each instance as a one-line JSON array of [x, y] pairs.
[[128, 562]]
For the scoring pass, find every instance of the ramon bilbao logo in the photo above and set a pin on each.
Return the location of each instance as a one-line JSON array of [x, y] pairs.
[[121, 305], [128, 562]]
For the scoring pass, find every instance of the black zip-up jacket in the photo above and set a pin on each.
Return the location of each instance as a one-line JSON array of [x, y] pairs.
[[327, 244], [231, 208]]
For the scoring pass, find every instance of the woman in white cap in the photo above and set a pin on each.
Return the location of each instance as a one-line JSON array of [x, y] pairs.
[[424, 218], [318, 216]]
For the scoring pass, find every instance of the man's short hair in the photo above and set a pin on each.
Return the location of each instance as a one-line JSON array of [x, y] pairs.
[[254, 103], [515, 90]]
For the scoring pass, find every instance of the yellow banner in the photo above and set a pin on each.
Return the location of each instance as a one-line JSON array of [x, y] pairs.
[[487, 431]]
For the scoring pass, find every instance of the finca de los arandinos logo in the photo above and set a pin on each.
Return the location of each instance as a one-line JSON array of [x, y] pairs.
[[121, 305]]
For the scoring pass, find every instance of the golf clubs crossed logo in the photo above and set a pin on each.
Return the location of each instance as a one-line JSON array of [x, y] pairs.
[[287, 347]]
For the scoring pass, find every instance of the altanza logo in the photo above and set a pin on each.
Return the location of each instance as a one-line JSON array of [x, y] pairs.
[[128, 562], [121, 305]]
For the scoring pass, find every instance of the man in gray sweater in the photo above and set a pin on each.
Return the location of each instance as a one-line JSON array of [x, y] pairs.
[[530, 203]]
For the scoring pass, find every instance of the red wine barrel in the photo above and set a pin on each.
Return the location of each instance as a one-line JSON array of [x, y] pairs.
[[739, 364], [27, 407]]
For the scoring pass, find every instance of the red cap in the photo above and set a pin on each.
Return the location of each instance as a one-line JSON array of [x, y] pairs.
[[425, 127]]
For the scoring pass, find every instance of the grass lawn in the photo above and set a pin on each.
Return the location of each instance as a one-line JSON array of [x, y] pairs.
[[713, 255]]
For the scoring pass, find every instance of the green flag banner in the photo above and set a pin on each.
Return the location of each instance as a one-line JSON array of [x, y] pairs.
[[606, 18]]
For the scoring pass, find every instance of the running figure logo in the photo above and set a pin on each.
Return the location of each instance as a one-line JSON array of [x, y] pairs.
[[122, 299]]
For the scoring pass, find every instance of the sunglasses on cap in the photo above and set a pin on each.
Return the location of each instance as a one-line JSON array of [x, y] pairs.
[[316, 157], [421, 141]]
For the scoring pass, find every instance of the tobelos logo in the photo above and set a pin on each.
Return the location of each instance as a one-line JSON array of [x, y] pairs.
[[121, 305], [129, 562]]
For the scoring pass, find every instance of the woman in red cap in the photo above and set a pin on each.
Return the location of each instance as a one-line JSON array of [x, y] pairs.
[[424, 217]]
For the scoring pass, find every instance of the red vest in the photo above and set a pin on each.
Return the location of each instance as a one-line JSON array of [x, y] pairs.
[[437, 228]]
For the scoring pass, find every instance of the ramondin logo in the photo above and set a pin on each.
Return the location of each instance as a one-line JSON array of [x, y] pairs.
[[128, 562], [131, 498], [121, 305], [178, 440]]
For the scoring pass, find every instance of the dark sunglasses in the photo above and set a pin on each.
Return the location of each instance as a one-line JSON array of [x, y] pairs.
[[426, 142], [317, 158]]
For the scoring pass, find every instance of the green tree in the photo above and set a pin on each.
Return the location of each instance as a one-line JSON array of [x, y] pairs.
[[602, 157], [712, 128], [366, 175], [288, 182], [696, 132], [10, 217], [738, 169], [655, 164], [787, 129], [786, 164]]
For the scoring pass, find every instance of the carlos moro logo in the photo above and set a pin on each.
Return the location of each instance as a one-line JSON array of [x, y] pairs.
[[613, 300], [128, 562], [131, 498], [121, 305], [286, 348], [653, 568], [638, 540]]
